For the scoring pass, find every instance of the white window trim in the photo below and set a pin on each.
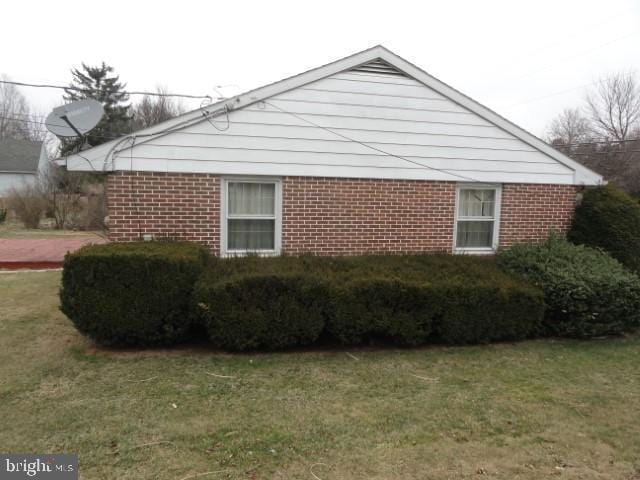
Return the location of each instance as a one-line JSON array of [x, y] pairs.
[[496, 218], [224, 252]]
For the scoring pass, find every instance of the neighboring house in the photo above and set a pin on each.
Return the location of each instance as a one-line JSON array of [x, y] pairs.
[[365, 154], [20, 161]]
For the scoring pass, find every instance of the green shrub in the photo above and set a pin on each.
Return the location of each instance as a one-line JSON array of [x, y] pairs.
[[3, 215], [398, 311], [608, 218], [282, 302], [268, 311], [133, 294], [587, 292], [489, 311]]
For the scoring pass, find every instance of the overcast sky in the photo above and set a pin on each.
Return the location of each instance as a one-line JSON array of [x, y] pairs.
[[505, 54]]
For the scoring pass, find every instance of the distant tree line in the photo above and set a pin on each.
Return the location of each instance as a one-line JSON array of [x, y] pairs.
[[604, 132]]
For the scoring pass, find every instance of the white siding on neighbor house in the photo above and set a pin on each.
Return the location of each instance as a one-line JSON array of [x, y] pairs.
[[394, 115], [11, 180]]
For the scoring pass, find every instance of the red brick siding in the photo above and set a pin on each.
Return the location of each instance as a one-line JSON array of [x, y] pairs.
[[173, 205], [329, 216], [333, 216], [530, 212]]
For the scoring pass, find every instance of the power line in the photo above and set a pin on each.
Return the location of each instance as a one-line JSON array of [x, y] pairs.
[[86, 90], [446, 172], [574, 144], [594, 142], [56, 124], [580, 54], [543, 97], [574, 34], [614, 152], [570, 57]]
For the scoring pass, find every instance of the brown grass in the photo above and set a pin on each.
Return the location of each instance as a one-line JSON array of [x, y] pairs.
[[13, 229], [509, 411]]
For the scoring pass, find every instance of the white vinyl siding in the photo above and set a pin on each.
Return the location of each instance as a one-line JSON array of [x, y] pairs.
[[251, 210], [477, 218], [10, 180], [319, 130]]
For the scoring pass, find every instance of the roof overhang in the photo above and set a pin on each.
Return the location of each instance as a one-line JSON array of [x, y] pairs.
[[582, 175]]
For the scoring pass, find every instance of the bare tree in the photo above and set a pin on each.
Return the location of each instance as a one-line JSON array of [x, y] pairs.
[[14, 112], [569, 127], [614, 107], [155, 109], [61, 192]]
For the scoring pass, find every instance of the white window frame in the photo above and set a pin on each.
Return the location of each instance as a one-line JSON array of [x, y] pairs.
[[224, 216], [495, 219]]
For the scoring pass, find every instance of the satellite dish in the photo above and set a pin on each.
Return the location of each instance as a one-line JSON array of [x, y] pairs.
[[74, 119]]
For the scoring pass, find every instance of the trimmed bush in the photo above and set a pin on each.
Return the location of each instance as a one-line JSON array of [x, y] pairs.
[[133, 294], [608, 218], [587, 292], [457, 299], [263, 311], [281, 302], [400, 312], [490, 311]]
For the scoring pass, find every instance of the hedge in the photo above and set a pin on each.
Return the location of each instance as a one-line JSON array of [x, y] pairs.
[[133, 294], [273, 303], [390, 309], [263, 311], [609, 219], [158, 293], [587, 292]]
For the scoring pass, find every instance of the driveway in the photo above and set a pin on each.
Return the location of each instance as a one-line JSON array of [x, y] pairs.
[[34, 254]]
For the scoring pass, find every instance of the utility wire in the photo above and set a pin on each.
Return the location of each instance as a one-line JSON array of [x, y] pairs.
[[446, 172], [594, 142], [86, 90], [571, 57], [575, 144], [543, 97], [36, 122], [571, 35], [614, 152]]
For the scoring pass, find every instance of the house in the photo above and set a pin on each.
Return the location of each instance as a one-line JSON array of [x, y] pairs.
[[20, 161], [365, 154]]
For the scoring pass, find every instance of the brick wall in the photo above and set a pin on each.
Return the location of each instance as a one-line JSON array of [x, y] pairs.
[[169, 205], [336, 216], [329, 216], [530, 212]]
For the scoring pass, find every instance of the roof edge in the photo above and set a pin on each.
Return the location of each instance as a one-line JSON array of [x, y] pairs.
[[582, 174]]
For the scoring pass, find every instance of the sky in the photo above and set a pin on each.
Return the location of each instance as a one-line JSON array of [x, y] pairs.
[[527, 60]]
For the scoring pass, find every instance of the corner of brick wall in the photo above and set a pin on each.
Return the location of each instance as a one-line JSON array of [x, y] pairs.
[[183, 206], [529, 213]]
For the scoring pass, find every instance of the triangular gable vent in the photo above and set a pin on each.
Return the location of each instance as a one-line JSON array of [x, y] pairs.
[[378, 66]]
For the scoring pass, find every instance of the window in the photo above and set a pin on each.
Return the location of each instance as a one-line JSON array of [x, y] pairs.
[[477, 214], [251, 216]]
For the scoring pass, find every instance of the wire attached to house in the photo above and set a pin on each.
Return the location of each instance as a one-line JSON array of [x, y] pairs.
[[441, 170], [206, 112], [179, 126]]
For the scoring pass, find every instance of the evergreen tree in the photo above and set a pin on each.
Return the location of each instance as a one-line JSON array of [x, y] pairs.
[[102, 85]]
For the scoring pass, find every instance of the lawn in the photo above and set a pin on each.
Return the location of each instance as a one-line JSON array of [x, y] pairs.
[[14, 229], [508, 411]]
